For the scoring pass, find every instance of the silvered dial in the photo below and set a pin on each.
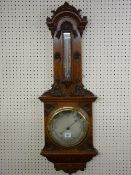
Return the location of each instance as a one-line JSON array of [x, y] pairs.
[[67, 127]]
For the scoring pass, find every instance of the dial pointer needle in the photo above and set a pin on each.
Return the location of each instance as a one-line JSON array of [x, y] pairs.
[[68, 127]]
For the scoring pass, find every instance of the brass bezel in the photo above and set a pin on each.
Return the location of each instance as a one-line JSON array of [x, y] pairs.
[[82, 114]]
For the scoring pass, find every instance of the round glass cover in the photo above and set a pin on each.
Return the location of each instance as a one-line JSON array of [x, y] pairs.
[[67, 127]]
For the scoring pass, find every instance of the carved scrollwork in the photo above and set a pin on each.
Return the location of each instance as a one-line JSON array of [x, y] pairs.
[[70, 167], [66, 7], [55, 90], [77, 89]]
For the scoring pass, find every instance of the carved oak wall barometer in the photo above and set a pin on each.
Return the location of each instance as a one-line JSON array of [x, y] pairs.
[[67, 105]]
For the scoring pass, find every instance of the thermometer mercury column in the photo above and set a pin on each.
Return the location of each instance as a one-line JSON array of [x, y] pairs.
[[67, 55]]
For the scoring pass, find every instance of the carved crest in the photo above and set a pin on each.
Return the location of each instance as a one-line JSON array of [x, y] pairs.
[[69, 11]]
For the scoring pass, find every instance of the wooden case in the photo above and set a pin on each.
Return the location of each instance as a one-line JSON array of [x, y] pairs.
[[68, 93]]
